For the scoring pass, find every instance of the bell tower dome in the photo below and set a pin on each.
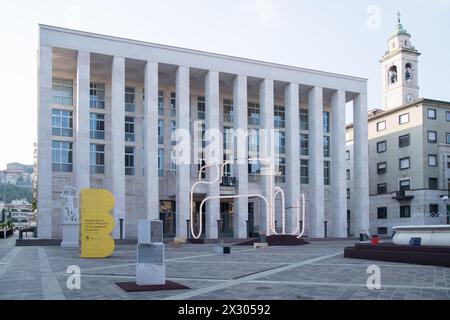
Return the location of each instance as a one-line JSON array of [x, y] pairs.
[[400, 70]]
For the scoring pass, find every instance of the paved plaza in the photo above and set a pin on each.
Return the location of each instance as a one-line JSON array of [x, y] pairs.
[[315, 271]]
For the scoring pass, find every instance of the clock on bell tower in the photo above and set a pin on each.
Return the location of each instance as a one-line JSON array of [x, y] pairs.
[[400, 70]]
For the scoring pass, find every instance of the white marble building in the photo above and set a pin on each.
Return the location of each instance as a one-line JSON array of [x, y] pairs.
[[108, 106]]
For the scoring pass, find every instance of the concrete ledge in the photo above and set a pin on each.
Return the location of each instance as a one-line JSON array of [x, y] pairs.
[[422, 255]]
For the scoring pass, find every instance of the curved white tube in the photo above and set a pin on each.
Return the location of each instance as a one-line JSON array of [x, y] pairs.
[[278, 190], [219, 177], [232, 197], [270, 201]]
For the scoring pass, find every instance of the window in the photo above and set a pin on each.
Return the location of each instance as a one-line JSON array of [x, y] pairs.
[[382, 188], [348, 174], [62, 123], [129, 161], [97, 158], [432, 136], [326, 172], [62, 92], [129, 129], [161, 131], [326, 146], [304, 168], [279, 117], [304, 120], [392, 73], [347, 155], [130, 99], [404, 163], [227, 110], [326, 122], [381, 126], [161, 103], [404, 141], [228, 139], [253, 113], [405, 212], [348, 193], [254, 169], [228, 149], [404, 185], [382, 213], [253, 142], [280, 142], [382, 231], [97, 95], [447, 115], [433, 183], [161, 162], [304, 149], [173, 104], [381, 146], [404, 118], [201, 108], [173, 162], [447, 138], [432, 160], [382, 168], [432, 114], [434, 210], [97, 126], [173, 128], [61, 156], [280, 169]]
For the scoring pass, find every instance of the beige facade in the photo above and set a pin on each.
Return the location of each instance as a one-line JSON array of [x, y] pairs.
[[409, 144]]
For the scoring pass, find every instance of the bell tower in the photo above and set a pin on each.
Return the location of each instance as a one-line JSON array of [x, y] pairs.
[[400, 70]]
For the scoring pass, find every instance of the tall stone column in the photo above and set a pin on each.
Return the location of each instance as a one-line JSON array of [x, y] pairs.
[[316, 174], [266, 97], [213, 151], [81, 145], [183, 178], [44, 145], [118, 141], [151, 141], [81, 157], [291, 97], [361, 163], [338, 179], [241, 154]]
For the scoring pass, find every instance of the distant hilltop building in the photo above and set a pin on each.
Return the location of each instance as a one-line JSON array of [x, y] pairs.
[[17, 174], [409, 147]]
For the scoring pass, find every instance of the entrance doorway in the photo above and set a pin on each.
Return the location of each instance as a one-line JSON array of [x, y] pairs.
[[167, 214], [226, 219]]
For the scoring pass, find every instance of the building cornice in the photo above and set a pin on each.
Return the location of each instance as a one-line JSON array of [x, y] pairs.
[[43, 27], [417, 103]]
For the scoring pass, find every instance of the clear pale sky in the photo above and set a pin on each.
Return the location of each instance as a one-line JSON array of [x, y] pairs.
[[346, 36]]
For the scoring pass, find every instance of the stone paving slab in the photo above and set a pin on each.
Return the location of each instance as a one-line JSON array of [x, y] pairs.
[[315, 271]]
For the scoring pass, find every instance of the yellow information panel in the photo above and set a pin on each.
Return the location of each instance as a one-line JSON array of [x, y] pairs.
[[96, 223]]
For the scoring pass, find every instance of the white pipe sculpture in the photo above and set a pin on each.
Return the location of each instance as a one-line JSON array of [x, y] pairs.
[[303, 214], [270, 212]]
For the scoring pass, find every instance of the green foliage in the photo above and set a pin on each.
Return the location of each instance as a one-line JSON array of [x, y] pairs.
[[9, 192], [7, 225]]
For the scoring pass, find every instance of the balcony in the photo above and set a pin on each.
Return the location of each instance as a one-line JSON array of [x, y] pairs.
[[228, 182], [403, 196]]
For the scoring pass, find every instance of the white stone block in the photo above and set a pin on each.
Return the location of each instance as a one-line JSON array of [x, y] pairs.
[[150, 231], [70, 235], [150, 274]]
